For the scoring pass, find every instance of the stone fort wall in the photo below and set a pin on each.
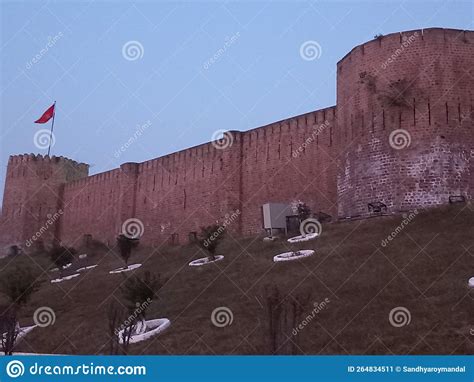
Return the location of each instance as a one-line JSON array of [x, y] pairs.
[[401, 133]]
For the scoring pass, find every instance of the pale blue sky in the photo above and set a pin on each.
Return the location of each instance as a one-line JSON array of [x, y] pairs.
[[258, 75]]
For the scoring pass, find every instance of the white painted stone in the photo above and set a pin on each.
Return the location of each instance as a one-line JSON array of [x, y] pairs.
[[123, 269], [205, 261], [153, 328], [290, 256]]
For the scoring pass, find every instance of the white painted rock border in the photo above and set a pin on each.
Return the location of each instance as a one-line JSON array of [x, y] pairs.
[[87, 268], [60, 280], [471, 282], [269, 238], [123, 269], [25, 330], [290, 256], [205, 261], [21, 333], [300, 238], [153, 327]]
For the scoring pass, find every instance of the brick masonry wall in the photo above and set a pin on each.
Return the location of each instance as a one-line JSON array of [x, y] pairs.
[[418, 81], [336, 160], [33, 193]]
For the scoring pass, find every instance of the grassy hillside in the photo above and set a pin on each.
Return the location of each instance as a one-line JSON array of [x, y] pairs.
[[424, 269]]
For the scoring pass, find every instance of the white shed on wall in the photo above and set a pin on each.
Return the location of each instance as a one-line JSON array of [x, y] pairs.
[[274, 216]]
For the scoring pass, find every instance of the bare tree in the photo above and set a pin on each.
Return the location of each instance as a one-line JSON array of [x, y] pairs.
[[9, 329]]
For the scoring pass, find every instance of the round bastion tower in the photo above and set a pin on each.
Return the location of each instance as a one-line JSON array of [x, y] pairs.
[[32, 202], [405, 121]]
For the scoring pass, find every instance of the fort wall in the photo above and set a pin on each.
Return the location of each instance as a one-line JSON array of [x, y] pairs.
[[401, 134]]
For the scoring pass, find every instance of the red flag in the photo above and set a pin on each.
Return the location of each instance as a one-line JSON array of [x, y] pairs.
[[47, 115]]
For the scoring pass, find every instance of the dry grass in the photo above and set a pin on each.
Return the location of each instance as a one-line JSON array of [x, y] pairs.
[[425, 269]]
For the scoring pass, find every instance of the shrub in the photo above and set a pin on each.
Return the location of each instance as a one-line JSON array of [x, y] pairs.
[[62, 256], [139, 291], [125, 245], [210, 237], [18, 283]]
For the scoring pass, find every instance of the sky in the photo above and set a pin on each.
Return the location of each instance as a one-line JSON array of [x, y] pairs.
[[137, 80]]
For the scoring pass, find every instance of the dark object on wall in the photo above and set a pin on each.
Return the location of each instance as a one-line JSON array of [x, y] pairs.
[[377, 207], [457, 199]]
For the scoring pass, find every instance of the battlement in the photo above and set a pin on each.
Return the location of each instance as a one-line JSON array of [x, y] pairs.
[[428, 36], [21, 158]]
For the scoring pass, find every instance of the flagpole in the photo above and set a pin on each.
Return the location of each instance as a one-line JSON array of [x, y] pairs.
[[52, 127]]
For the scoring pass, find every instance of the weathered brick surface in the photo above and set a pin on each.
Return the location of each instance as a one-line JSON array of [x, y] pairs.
[[433, 77], [337, 159]]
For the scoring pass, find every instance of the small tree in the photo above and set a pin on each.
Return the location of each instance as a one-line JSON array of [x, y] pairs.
[[17, 283], [62, 256], [9, 329], [210, 238], [126, 245], [117, 322], [139, 292]]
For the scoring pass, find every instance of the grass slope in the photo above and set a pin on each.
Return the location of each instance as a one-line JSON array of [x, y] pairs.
[[424, 269]]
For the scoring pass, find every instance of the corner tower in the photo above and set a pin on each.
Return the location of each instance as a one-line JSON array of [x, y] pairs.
[[405, 121], [32, 201]]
